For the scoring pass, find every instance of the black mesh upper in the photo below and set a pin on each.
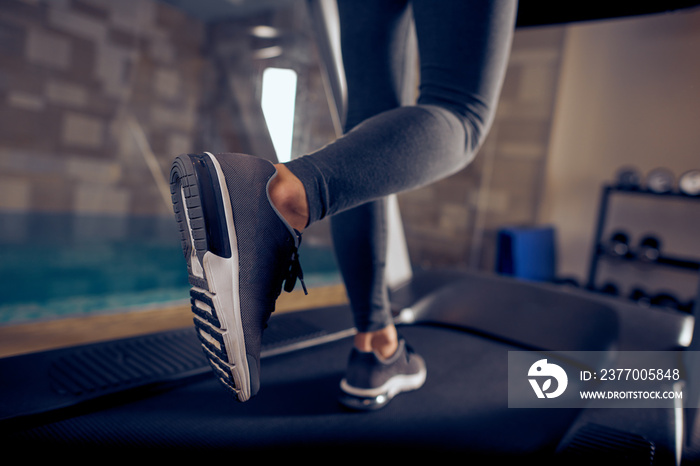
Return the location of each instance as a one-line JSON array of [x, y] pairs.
[[265, 242]]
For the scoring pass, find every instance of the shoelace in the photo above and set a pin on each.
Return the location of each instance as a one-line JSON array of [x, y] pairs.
[[408, 349], [294, 272]]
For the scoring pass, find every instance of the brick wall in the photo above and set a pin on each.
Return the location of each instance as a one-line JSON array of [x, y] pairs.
[[73, 73]]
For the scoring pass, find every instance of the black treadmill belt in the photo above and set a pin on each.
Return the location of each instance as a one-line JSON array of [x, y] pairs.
[[462, 407], [173, 405]]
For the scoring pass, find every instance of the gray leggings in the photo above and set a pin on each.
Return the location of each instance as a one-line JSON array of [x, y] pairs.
[[388, 148]]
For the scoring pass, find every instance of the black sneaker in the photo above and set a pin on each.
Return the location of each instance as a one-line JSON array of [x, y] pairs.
[[371, 382], [239, 251]]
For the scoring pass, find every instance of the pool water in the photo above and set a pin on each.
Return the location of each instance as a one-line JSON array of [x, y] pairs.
[[54, 265]]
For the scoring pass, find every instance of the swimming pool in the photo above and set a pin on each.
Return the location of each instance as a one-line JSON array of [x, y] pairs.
[[59, 265]]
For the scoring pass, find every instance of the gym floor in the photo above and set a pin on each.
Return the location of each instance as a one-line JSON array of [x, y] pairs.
[[59, 333]]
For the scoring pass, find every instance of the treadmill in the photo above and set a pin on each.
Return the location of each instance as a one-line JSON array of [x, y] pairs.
[[156, 395]]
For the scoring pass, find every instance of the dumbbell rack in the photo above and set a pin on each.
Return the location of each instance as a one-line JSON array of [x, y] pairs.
[[600, 252]]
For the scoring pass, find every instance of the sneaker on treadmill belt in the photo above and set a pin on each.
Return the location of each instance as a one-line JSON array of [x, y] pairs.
[[371, 382], [240, 252]]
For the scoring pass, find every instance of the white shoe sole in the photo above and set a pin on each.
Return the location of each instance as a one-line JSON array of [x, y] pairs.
[[217, 309], [391, 388]]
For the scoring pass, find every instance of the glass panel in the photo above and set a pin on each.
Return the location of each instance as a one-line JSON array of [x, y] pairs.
[[97, 100]]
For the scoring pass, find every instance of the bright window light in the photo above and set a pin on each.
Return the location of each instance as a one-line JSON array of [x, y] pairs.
[[279, 88], [266, 32]]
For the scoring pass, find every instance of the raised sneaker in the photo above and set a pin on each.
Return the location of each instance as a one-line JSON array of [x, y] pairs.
[[240, 253]]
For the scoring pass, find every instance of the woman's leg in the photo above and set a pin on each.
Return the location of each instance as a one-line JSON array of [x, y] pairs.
[[240, 217], [389, 148], [464, 47], [374, 38], [360, 239]]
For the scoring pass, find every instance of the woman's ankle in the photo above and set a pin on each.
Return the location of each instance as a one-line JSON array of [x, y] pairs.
[[289, 198], [384, 342]]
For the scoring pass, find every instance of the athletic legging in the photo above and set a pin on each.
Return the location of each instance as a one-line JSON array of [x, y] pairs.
[[388, 148]]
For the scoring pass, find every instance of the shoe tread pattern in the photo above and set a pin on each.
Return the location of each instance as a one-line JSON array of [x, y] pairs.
[[193, 230]]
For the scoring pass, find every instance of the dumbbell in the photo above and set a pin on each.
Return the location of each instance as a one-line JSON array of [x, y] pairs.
[[628, 178], [618, 244], [610, 288], [666, 300], [649, 248], [689, 183], [660, 181], [640, 297]]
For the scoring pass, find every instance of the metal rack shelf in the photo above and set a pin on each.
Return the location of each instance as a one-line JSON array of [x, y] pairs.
[[602, 253]]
